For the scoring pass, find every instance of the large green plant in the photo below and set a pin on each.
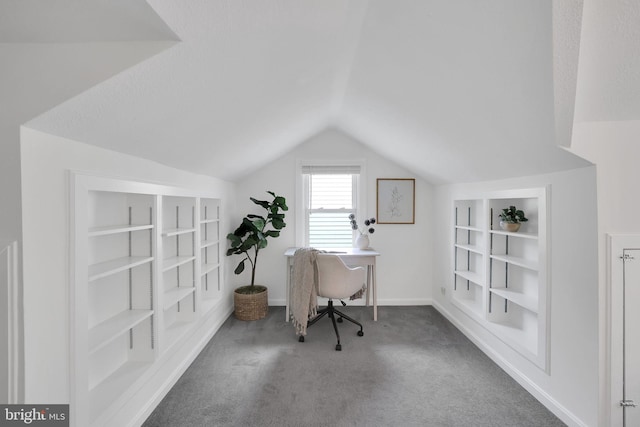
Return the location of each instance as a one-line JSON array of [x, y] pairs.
[[253, 232]]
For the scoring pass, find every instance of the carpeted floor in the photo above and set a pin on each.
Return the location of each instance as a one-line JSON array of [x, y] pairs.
[[411, 368]]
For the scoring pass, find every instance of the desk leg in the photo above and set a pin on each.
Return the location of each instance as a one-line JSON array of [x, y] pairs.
[[288, 291], [368, 285], [375, 293]]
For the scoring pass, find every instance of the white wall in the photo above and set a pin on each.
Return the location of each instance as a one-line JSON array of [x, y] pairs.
[[614, 148], [45, 206], [404, 269], [571, 388]]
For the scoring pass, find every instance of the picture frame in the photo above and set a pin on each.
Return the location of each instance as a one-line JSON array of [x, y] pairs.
[[395, 200]]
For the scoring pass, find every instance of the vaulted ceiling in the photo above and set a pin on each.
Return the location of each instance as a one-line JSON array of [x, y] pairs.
[[454, 91]]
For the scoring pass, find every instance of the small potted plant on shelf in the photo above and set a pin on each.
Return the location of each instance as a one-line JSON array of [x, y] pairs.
[[511, 218], [362, 241], [251, 301]]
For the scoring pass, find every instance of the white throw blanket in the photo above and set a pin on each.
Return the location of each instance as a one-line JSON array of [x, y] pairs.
[[304, 300]]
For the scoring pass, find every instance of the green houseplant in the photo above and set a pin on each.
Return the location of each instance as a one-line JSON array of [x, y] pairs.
[[511, 218], [247, 240]]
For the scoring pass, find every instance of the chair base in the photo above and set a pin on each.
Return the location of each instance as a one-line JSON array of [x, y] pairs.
[[332, 312]]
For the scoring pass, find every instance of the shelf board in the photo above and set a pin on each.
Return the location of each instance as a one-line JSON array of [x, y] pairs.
[[177, 231], [209, 303], [105, 332], [525, 301], [470, 248], [471, 276], [173, 262], [207, 243], [469, 305], [468, 228], [116, 229], [209, 221], [107, 268], [173, 296], [523, 341], [107, 391], [208, 268], [175, 331], [522, 235], [520, 262]]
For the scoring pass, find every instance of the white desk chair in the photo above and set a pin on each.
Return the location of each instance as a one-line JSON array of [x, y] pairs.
[[337, 281]]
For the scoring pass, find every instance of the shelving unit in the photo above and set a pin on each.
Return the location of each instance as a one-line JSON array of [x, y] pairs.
[[178, 266], [146, 275], [210, 241], [500, 277], [121, 314], [468, 273]]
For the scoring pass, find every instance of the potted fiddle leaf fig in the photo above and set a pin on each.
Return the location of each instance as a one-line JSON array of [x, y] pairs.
[[511, 218], [251, 236]]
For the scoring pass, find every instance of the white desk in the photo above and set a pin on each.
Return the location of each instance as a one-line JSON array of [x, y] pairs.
[[353, 257]]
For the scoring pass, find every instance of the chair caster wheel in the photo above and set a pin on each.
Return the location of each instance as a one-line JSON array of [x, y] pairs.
[[338, 347], [301, 339], [339, 320], [360, 333]]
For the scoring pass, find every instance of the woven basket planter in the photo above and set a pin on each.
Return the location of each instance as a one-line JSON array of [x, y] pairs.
[[252, 306]]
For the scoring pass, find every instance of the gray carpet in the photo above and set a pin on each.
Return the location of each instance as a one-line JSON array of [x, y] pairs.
[[411, 368]]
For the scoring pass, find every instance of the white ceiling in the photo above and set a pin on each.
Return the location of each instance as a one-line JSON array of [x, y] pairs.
[[453, 90]]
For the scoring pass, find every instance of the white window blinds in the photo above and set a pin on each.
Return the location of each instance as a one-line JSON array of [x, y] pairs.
[[331, 195]]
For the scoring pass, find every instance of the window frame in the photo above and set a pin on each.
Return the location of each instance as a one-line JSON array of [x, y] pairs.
[[302, 195]]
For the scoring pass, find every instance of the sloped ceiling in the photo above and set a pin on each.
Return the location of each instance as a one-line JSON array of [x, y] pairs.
[[453, 90], [608, 87]]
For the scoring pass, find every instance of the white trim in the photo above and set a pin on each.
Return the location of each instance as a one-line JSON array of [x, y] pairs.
[[9, 254], [542, 396]]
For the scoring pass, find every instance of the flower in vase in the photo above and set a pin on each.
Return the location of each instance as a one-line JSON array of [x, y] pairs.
[[368, 223]]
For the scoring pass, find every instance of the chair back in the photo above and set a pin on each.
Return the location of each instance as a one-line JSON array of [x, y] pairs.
[[336, 280]]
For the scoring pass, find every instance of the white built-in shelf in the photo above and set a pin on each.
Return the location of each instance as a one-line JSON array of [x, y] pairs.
[[174, 295], [116, 229], [207, 221], [208, 268], [529, 264], [468, 227], [521, 235], [207, 243], [173, 262], [177, 231], [470, 248], [516, 262], [107, 268], [526, 301], [472, 276], [105, 332]]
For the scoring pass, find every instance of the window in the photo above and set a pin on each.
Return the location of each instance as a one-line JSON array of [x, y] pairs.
[[330, 194]]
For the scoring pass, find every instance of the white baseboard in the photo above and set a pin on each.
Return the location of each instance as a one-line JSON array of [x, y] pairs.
[[389, 301], [543, 397]]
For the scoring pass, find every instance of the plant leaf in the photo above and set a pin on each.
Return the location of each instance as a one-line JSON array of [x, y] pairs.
[[240, 268]]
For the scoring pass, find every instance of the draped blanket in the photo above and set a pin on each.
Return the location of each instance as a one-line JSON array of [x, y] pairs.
[[304, 299]]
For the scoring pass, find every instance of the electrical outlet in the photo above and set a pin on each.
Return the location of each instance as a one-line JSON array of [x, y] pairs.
[[443, 290]]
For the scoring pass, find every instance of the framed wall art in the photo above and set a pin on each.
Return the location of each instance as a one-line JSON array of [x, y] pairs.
[[396, 200]]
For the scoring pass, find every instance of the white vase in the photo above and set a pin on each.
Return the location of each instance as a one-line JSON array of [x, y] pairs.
[[362, 241]]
